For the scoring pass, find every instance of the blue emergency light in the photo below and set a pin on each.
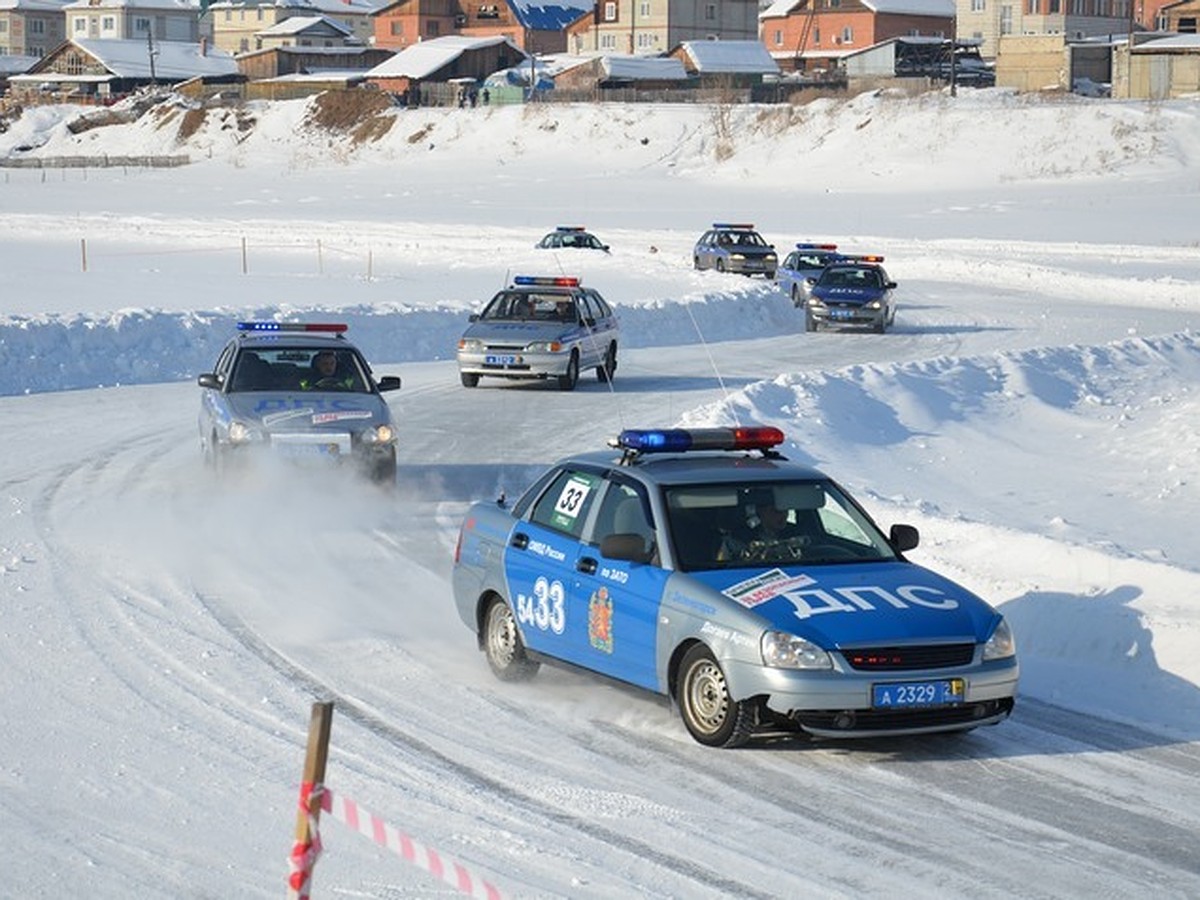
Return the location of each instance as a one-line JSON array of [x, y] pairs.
[[327, 327], [545, 281], [682, 440]]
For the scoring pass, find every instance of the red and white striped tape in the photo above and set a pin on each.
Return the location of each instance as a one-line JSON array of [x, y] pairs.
[[442, 867]]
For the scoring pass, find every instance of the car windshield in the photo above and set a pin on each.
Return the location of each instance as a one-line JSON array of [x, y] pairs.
[[298, 369], [727, 526], [744, 239], [851, 278], [529, 306]]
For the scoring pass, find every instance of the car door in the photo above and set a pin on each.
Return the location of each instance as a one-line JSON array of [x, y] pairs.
[[540, 566], [621, 597], [599, 325]]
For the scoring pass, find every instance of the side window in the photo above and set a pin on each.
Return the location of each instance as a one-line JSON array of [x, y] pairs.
[[587, 305], [564, 507], [623, 511], [602, 307], [225, 362]]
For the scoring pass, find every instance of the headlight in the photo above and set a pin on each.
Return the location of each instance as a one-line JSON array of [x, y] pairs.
[[781, 650], [544, 347], [1001, 644], [875, 304], [737, 255], [239, 433], [770, 257], [380, 434], [815, 301], [472, 344]]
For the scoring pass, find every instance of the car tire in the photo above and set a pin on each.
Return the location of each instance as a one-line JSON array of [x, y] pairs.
[[710, 715], [797, 297], [468, 379], [607, 369], [696, 262], [502, 644], [383, 472], [720, 265], [810, 323], [568, 381]]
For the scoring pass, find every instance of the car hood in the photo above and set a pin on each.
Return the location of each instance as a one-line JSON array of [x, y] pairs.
[[857, 604], [282, 411], [849, 295], [520, 332]]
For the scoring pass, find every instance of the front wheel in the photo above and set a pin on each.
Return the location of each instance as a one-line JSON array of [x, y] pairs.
[[568, 381], [468, 379], [502, 644], [608, 368], [710, 715], [810, 323]]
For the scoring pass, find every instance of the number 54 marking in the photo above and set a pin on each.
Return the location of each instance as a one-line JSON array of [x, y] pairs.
[[546, 609]]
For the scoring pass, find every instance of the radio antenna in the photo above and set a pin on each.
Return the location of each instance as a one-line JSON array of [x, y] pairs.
[[712, 362]]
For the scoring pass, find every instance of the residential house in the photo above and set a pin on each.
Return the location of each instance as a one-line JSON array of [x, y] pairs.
[[535, 27], [112, 68], [653, 27], [989, 20], [280, 62], [237, 24], [609, 72], [808, 35], [1181, 17], [726, 63], [444, 59], [31, 27], [136, 20], [305, 31]]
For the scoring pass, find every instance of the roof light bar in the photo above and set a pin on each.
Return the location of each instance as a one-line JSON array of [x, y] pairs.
[[545, 281], [330, 327], [816, 246], [867, 259], [682, 440], [737, 226], [570, 228]]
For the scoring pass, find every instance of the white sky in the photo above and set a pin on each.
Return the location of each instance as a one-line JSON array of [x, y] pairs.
[[1033, 413]]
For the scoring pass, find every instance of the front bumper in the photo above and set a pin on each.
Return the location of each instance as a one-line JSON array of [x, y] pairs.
[[751, 266], [847, 316], [328, 450], [837, 703], [512, 363]]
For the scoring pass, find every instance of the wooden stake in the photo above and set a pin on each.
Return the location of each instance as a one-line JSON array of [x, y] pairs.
[[309, 812]]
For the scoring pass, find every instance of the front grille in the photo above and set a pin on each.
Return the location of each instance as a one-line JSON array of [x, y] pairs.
[[909, 658], [850, 721]]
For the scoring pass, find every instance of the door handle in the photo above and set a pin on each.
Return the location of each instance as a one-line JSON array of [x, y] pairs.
[[586, 565], [520, 540]]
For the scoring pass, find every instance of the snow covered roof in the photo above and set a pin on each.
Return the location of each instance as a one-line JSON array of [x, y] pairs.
[[177, 6], [15, 65], [741, 57], [642, 68], [552, 16], [32, 5], [299, 24], [1174, 42], [940, 8], [423, 59], [329, 7], [174, 60]]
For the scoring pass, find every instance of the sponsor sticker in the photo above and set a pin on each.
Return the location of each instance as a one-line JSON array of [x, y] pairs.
[[764, 587]]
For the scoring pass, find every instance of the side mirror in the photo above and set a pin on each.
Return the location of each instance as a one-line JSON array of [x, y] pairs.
[[810, 281], [209, 380], [604, 247], [389, 383], [473, 317], [904, 537], [631, 547], [891, 285]]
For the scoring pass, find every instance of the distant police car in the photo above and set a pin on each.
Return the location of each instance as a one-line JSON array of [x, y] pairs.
[[652, 565], [854, 292], [541, 327], [300, 392], [806, 261], [733, 247], [571, 237]]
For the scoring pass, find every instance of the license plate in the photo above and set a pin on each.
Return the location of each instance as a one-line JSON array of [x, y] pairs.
[[309, 451], [918, 693], [493, 359], [841, 313]]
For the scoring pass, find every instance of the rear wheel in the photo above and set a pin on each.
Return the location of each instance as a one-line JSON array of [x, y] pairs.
[[502, 644], [608, 368], [568, 381], [468, 379], [710, 715], [797, 297], [696, 262], [720, 265]]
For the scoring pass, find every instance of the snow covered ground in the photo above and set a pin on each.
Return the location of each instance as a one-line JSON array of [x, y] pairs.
[[1033, 413]]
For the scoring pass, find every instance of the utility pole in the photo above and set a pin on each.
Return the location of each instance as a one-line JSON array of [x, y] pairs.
[[153, 53]]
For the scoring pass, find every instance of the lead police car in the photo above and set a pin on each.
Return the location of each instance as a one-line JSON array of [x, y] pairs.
[[806, 261], [297, 391], [854, 291], [541, 327], [734, 247], [571, 237], [755, 592]]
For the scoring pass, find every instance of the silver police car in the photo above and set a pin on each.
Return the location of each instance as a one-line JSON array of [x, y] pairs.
[[299, 392], [755, 593], [541, 328], [735, 247]]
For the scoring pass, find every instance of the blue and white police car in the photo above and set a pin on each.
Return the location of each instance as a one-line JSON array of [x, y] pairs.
[[542, 327], [852, 292], [300, 392], [807, 261], [571, 237], [754, 592], [735, 247]]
